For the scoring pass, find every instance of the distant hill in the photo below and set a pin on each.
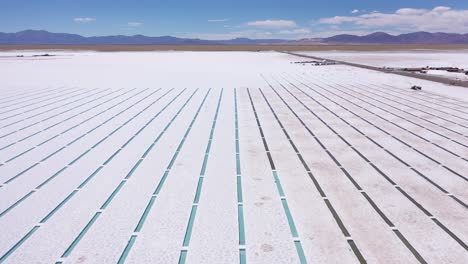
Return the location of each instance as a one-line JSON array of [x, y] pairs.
[[42, 37], [410, 38]]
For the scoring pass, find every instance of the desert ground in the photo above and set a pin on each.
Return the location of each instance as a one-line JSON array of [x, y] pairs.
[[229, 157]]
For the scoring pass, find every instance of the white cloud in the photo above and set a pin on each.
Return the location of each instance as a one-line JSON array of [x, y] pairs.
[[355, 11], [441, 9], [295, 31], [253, 34], [410, 11], [338, 20], [231, 35], [84, 19], [272, 24], [440, 18], [218, 20], [134, 24]]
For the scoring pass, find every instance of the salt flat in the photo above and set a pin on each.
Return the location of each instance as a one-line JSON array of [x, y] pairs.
[[227, 157], [417, 58], [410, 58]]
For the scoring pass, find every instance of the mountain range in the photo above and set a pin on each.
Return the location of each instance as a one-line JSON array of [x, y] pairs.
[[410, 38], [42, 37]]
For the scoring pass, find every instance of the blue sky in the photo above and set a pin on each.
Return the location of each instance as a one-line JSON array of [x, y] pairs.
[[212, 19]]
